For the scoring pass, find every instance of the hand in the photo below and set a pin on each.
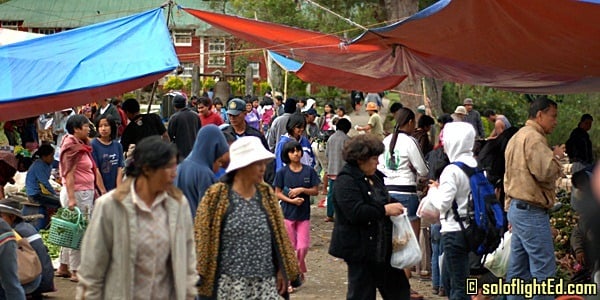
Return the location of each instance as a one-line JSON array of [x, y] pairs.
[[298, 201], [356, 127], [295, 192], [580, 257], [72, 203], [394, 209], [281, 283], [433, 184], [559, 152]]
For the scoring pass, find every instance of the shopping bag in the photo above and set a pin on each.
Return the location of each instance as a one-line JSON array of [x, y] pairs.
[[497, 261], [405, 248], [427, 211]]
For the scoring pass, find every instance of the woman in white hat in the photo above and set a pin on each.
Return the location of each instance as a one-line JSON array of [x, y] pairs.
[[243, 249]]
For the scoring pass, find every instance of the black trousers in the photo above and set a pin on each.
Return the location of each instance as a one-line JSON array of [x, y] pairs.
[[365, 278]]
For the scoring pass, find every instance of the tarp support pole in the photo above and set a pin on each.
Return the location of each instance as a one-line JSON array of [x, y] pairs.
[[155, 84], [285, 87]]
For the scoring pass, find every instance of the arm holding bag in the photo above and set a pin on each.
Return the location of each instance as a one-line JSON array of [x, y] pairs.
[[497, 261], [405, 248]]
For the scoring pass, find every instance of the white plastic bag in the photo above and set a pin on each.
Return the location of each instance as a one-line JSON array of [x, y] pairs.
[[405, 248], [427, 211], [497, 261]]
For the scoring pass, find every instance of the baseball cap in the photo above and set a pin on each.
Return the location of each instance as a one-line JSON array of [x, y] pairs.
[[236, 106], [179, 101]]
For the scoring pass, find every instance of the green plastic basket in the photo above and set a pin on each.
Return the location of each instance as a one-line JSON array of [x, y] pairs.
[[67, 234]]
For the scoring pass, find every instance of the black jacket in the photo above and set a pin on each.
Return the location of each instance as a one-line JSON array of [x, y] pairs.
[[579, 147], [361, 232]]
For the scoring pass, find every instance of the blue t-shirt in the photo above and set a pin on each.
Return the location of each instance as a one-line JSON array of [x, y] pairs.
[[286, 179], [108, 158]]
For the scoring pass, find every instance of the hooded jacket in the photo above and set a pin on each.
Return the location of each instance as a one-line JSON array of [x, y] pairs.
[[195, 174], [459, 138]]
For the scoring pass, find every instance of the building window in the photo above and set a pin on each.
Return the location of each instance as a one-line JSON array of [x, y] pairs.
[[188, 67], [182, 38], [10, 24], [255, 66], [47, 31], [216, 52]]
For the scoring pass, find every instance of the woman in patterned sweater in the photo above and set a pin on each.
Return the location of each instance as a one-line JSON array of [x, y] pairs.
[[242, 247]]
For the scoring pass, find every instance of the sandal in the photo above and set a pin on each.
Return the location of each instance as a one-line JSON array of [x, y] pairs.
[[62, 275]]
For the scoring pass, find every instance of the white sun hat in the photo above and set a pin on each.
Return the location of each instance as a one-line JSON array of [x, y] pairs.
[[245, 151]]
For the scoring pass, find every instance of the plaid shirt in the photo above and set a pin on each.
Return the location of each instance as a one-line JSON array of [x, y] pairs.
[[335, 144]]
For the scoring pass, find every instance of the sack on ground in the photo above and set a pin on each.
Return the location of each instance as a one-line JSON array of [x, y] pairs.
[[485, 216], [405, 248], [28, 262]]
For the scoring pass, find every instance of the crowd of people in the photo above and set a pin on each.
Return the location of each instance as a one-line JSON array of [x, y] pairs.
[[216, 204]]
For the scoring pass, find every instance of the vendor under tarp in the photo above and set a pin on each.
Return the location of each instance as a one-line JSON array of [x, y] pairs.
[[84, 65]]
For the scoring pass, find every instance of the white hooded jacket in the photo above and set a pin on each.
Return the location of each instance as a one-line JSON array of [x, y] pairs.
[[459, 138]]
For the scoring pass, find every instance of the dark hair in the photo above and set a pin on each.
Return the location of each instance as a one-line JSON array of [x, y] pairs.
[[111, 123], [217, 101], [289, 106], [488, 113], [541, 103], [76, 121], [425, 121], [267, 101], [445, 118], [131, 106], [586, 117], [295, 121], [330, 106], [343, 124], [287, 148], [205, 101], [302, 100], [362, 147], [43, 150], [396, 106], [402, 116], [280, 98], [342, 108], [150, 153]]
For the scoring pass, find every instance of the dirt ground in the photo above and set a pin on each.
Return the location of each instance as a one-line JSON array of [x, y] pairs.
[[326, 277]]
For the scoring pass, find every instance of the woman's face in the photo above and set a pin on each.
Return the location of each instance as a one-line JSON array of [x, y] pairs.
[[83, 132], [328, 109], [340, 112], [248, 107], [255, 103], [368, 166], [163, 177], [104, 128], [298, 132], [254, 171]]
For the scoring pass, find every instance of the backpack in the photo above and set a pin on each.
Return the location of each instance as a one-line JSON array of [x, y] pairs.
[[484, 215]]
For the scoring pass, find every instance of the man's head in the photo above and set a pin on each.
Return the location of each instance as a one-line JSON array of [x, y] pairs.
[[396, 106], [371, 108], [10, 210], [544, 112], [310, 115], [131, 108], [468, 104], [344, 125], [179, 102], [586, 122], [278, 100], [460, 111], [289, 107], [425, 122], [204, 106], [490, 114], [236, 111]]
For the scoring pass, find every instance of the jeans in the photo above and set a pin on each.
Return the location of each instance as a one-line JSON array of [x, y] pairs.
[[365, 278], [436, 250], [330, 183], [531, 248], [410, 201], [10, 287], [456, 265]]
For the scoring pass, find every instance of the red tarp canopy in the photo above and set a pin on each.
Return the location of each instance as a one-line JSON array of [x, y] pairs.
[[533, 46]]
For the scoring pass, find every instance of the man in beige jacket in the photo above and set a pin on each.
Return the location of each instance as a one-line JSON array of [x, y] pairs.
[[531, 171]]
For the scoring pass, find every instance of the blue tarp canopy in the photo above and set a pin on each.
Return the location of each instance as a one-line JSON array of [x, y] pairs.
[[84, 65]]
